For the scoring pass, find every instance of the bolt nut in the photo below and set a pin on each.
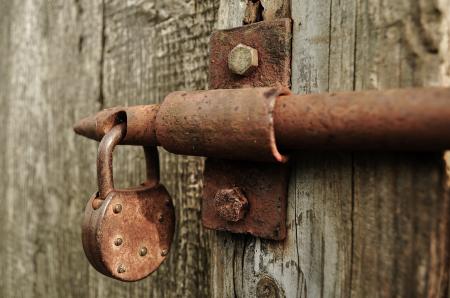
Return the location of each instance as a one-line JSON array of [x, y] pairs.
[[231, 204], [243, 59]]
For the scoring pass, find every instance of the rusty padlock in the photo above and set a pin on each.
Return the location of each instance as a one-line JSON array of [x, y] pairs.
[[127, 233]]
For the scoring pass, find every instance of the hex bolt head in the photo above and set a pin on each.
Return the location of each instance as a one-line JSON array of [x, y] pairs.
[[231, 204], [242, 59]]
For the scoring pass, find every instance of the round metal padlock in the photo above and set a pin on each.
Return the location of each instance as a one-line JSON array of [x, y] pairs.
[[127, 233]]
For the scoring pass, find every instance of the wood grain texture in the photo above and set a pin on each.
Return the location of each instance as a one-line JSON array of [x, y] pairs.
[[50, 70], [153, 48], [401, 211], [362, 225], [62, 60]]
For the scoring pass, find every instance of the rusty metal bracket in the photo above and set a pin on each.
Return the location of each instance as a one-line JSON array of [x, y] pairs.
[[246, 127], [271, 42], [256, 55], [245, 197]]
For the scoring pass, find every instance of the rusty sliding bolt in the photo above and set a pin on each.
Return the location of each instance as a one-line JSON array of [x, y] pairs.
[[259, 123]]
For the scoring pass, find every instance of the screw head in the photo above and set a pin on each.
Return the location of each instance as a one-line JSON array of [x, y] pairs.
[[231, 204], [242, 59], [160, 218], [118, 242], [121, 269], [117, 208], [143, 251], [164, 252]]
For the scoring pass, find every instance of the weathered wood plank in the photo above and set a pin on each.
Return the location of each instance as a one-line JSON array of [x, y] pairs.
[[323, 60], [354, 219], [50, 70], [401, 210], [153, 48]]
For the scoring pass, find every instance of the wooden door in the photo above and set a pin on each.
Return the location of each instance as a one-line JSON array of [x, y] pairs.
[[359, 224]]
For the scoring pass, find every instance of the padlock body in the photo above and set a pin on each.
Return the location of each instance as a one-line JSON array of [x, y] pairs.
[[129, 235]]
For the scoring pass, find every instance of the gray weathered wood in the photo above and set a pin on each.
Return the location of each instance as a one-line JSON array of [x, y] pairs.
[[62, 60], [50, 66], [363, 225], [358, 224], [153, 48], [401, 213]]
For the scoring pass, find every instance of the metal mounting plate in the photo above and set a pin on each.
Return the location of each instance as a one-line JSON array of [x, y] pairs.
[[265, 188], [259, 186], [272, 40]]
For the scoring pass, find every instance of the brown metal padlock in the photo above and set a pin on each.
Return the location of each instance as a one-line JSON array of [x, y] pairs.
[[127, 232]]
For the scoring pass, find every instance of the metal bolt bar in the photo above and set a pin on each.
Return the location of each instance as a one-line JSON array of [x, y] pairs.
[[404, 119]]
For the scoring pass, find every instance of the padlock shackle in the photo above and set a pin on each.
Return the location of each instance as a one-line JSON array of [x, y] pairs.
[[152, 165], [105, 158]]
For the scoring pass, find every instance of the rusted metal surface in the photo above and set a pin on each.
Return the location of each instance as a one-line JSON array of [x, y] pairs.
[[139, 119], [243, 60], [243, 124], [231, 204], [265, 188], [127, 232], [272, 40], [404, 119], [233, 124], [104, 162]]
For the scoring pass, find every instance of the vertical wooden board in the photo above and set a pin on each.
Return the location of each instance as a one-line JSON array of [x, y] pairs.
[[315, 258], [153, 48], [323, 60], [400, 226], [401, 210], [231, 13], [51, 56], [334, 229]]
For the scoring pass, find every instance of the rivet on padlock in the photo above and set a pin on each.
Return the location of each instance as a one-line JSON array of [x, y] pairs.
[[123, 234]]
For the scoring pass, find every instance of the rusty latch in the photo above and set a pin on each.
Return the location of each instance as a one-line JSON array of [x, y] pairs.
[[247, 135], [260, 124]]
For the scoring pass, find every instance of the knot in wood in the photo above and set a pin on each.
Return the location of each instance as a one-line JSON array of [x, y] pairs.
[[231, 204], [242, 59], [267, 288]]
